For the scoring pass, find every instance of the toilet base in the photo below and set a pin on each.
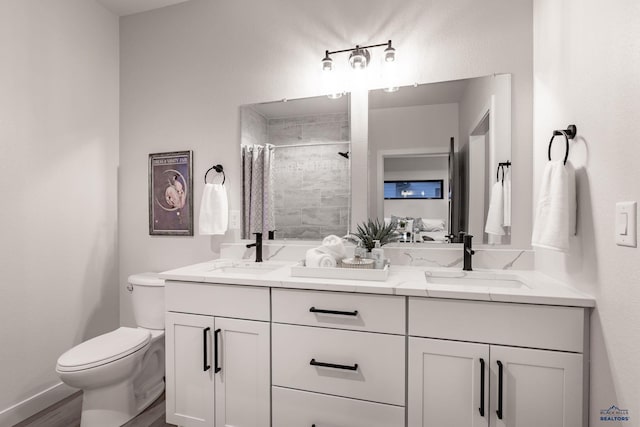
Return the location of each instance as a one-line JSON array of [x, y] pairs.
[[115, 405]]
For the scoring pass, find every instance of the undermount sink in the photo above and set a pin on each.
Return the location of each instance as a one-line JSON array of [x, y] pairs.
[[477, 279], [246, 267]]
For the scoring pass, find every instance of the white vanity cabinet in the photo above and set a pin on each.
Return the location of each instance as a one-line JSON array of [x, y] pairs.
[[338, 359], [217, 355], [473, 370]]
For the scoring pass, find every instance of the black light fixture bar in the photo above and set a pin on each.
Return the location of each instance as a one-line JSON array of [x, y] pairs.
[[358, 47]]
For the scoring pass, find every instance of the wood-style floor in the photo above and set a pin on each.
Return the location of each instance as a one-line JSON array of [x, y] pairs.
[[66, 413]]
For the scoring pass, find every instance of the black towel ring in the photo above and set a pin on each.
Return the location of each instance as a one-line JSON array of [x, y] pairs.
[[568, 133], [217, 168], [501, 167]]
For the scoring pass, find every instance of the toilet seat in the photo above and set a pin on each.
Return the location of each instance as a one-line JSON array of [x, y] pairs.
[[104, 349]]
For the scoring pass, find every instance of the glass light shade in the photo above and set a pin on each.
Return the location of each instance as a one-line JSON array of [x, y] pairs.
[[389, 54], [327, 64], [359, 59]]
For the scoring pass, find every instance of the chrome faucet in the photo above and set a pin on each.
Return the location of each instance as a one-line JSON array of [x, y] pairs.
[[258, 245], [468, 252]]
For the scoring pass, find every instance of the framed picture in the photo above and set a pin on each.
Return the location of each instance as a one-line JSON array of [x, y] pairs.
[[171, 194]]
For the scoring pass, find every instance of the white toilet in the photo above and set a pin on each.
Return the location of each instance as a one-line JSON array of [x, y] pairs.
[[121, 372]]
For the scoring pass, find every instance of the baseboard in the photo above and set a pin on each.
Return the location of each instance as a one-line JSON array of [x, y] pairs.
[[34, 404]]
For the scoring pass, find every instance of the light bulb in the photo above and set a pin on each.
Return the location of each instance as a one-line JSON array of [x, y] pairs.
[[389, 54], [359, 58], [327, 63]]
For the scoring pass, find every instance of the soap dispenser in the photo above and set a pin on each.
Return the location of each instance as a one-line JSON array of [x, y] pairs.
[[377, 253]]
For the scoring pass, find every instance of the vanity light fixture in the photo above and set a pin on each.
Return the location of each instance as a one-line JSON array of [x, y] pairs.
[[360, 56]]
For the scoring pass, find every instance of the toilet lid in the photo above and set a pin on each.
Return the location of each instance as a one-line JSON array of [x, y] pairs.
[[104, 349]]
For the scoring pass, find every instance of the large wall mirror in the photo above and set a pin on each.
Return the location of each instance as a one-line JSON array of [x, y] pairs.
[[296, 168], [436, 152]]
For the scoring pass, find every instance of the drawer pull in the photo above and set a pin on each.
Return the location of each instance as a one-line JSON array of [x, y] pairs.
[[500, 374], [342, 313], [333, 365]]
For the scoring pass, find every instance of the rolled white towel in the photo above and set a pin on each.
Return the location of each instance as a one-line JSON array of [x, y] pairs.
[[317, 258], [332, 245]]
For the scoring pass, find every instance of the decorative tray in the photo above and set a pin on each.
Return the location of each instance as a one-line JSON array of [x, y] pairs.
[[379, 275]]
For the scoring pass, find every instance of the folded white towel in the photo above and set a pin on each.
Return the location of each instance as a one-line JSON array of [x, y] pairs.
[[315, 258], [214, 210], [506, 190], [332, 245], [495, 215], [556, 209]]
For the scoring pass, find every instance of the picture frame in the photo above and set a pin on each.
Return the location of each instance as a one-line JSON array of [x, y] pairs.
[[171, 193]]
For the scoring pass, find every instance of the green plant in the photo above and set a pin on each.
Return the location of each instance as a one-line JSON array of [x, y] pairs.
[[368, 232]]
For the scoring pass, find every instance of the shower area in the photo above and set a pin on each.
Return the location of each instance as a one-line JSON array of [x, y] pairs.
[[308, 171]]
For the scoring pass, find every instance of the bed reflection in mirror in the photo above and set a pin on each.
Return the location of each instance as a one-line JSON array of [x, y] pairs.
[[455, 133]]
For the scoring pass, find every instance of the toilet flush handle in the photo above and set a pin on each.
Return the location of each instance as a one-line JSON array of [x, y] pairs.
[[130, 287]]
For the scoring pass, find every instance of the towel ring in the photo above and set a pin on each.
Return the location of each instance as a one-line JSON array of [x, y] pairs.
[[218, 169], [568, 133], [501, 167]]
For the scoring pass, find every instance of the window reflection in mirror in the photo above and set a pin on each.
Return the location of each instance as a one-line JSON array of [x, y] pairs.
[[309, 172], [458, 132]]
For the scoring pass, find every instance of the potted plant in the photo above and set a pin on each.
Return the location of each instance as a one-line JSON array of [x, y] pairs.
[[368, 232]]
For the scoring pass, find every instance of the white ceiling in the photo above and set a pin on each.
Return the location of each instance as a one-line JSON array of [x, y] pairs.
[[128, 7], [424, 94], [302, 107]]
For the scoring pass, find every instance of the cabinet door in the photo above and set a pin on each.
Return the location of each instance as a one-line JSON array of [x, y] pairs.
[[539, 388], [189, 375], [243, 389], [448, 383]]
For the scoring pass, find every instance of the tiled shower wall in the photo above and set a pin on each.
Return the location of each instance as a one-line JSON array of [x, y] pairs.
[[312, 183]]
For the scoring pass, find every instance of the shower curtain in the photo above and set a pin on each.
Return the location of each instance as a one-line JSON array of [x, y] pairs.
[[257, 190]]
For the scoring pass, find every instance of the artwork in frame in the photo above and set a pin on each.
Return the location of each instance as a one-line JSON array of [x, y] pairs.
[[171, 194]]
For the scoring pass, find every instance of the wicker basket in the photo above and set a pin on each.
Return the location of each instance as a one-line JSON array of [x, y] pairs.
[[358, 262]]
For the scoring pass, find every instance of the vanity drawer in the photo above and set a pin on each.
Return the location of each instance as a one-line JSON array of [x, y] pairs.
[[380, 358], [524, 325], [295, 408], [375, 313], [241, 302]]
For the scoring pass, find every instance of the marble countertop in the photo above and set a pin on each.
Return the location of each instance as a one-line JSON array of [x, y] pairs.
[[402, 280]]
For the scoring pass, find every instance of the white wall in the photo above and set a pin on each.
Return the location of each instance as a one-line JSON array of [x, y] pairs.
[[59, 157], [586, 68], [491, 93], [186, 70]]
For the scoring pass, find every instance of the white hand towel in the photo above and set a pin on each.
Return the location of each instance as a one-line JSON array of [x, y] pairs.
[[556, 209], [214, 210], [332, 245], [506, 190], [315, 258], [496, 211]]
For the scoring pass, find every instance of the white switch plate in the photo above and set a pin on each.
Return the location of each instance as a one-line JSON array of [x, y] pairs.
[[626, 224], [234, 220]]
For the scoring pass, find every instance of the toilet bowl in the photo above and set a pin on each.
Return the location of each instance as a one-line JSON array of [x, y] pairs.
[[121, 372]]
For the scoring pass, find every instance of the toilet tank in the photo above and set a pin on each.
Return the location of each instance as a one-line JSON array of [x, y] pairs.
[[147, 292]]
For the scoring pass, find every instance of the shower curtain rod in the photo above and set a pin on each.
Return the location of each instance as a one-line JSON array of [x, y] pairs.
[[311, 144]]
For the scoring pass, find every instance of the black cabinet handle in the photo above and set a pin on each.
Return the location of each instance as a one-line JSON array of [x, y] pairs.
[[481, 409], [333, 365], [217, 368], [205, 357], [343, 313], [500, 374]]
